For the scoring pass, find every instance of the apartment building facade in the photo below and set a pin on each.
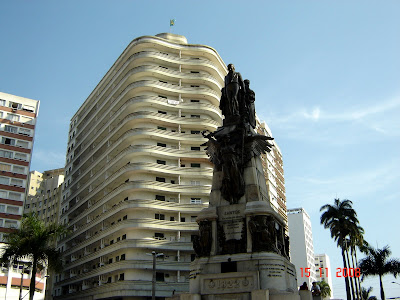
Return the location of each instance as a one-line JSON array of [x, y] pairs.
[[17, 127], [323, 270], [136, 175], [302, 246], [45, 193]]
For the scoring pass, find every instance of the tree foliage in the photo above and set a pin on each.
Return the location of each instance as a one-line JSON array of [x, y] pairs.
[[378, 263], [34, 242]]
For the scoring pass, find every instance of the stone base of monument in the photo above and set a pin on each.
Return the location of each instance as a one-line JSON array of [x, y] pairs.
[[244, 276]]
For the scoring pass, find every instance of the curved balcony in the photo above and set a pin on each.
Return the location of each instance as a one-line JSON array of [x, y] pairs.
[[161, 245], [127, 188], [125, 155], [138, 224], [127, 288], [209, 67], [129, 169], [158, 205]]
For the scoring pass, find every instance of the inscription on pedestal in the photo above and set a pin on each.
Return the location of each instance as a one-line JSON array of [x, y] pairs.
[[229, 283], [231, 219]]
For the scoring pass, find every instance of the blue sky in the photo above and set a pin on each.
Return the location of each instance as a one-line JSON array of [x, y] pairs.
[[326, 76]]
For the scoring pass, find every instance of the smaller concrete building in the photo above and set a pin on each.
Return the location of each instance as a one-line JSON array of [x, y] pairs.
[[44, 196]]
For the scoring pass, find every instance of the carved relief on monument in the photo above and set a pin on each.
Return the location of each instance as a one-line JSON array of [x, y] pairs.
[[202, 242]]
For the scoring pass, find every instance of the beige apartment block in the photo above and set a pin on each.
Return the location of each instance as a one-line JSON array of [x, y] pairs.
[[274, 174], [136, 175], [45, 192]]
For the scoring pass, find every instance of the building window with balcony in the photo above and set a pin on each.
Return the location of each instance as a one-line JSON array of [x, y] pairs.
[[6, 154], [160, 197], [160, 216], [11, 129], [195, 165], [159, 236], [160, 179], [161, 128], [195, 200], [161, 162], [195, 148], [161, 145], [162, 112]]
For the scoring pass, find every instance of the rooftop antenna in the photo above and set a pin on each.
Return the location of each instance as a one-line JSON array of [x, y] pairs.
[[171, 23]]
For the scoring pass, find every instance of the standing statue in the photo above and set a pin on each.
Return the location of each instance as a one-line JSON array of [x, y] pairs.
[[230, 93], [250, 97]]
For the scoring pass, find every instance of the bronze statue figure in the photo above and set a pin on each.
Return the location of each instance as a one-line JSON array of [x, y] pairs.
[[230, 100]]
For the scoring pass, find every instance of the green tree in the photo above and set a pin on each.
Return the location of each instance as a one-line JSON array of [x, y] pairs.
[[324, 288], [365, 293], [34, 241], [341, 220], [378, 263]]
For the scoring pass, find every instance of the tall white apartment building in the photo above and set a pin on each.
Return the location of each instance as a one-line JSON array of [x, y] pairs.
[[17, 127], [301, 246], [135, 175], [323, 270]]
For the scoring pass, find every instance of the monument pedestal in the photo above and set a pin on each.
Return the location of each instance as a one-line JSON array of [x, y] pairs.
[[242, 247], [262, 275]]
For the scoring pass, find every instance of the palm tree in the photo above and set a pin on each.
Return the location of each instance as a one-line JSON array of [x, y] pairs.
[[365, 294], [34, 241], [342, 221], [324, 288], [378, 263]]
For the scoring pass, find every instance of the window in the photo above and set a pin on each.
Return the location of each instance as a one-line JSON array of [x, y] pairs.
[[195, 116], [195, 131], [195, 200], [161, 162], [160, 179], [195, 148], [183, 219], [193, 85], [117, 258], [122, 256], [161, 128], [160, 216], [11, 129], [125, 217], [17, 182], [118, 239], [2, 208], [21, 156], [195, 165], [18, 169], [6, 154], [4, 167], [161, 145], [121, 277], [123, 237], [2, 102], [15, 105], [7, 141], [194, 182], [22, 144], [10, 224], [172, 218], [159, 236], [160, 197], [24, 131], [160, 276], [162, 97], [12, 117], [162, 112], [4, 180]]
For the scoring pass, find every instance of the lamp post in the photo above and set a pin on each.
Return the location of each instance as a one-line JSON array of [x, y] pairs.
[[153, 282]]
